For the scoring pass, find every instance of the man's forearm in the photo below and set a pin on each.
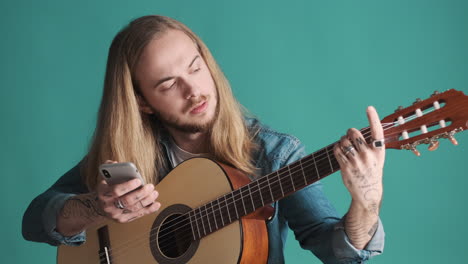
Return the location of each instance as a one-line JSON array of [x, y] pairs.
[[361, 224], [78, 213]]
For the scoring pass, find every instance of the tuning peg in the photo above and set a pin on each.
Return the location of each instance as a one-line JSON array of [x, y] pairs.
[[435, 93], [399, 108], [417, 100], [453, 140], [415, 151], [433, 145]]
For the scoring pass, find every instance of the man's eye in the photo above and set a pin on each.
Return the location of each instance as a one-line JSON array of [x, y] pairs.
[[168, 87], [196, 68]]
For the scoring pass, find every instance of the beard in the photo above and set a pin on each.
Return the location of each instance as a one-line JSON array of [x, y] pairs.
[[172, 121]]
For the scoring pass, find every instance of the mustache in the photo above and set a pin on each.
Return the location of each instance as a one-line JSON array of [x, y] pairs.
[[195, 101]]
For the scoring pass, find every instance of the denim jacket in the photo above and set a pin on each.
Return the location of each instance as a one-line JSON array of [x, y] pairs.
[[314, 221]]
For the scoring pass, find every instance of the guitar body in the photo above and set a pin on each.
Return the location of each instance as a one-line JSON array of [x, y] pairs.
[[190, 185], [202, 200]]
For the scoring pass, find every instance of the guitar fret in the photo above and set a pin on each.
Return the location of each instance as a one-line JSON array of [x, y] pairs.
[[303, 173], [230, 207], [214, 215], [285, 182], [323, 163], [269, 188], [334, 161], [251, 199], [292, 180], [280, 184], [191, 225], [196, 221], [264, 190], [221, 212], [242, 201], [299, 175], [203, 222], [227, 208], [329, 160], [207, 218], [235, 205], [255, 196], [316, 168], [226, 212], [260, 191]]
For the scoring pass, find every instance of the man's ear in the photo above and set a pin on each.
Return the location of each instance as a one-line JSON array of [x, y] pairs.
[[143, 105]]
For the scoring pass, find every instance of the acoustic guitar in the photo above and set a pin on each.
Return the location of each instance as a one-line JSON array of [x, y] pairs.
[[224, 221]]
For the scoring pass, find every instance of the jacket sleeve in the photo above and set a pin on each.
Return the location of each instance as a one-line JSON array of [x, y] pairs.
[[318, 227], [39, 220]]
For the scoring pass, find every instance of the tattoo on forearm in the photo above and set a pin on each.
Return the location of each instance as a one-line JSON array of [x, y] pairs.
[[86, 206], [358, 232], [373, 229], [370, 194], [374, 208], [355, 231]]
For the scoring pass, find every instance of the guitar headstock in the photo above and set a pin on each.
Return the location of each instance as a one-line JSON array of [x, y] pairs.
[[426, 121]]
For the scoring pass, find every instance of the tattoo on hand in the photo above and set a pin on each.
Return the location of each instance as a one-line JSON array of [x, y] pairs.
[[360, 176], [359, 141]]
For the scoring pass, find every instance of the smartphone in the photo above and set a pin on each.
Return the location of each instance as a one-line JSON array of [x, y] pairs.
[[115, 173]]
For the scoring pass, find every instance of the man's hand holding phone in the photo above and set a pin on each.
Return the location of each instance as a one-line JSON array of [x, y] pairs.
[[122, 194]]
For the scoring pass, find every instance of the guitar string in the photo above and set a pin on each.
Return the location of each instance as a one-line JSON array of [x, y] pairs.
[[164, 244], [259, 190], [277, 191], [201, 212], [211, 205], [234, 200], [206, 210], [407, 119]]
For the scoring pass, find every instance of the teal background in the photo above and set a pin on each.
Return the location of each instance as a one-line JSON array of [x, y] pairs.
[[308, 68]]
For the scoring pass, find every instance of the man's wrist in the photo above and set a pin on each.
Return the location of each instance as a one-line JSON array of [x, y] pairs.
[[78, 213]]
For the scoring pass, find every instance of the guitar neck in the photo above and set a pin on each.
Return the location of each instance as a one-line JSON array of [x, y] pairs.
[[425, 122], [264, 190]]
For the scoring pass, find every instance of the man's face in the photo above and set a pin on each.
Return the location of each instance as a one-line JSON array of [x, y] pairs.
[[176, 83]]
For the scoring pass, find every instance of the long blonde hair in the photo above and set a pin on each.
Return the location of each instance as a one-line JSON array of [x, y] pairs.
[[124, 133]]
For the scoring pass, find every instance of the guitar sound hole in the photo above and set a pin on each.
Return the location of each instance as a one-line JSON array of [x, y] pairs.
[[175, 236]]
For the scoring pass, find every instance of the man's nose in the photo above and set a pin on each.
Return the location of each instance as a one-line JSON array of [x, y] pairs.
[[191, 89]]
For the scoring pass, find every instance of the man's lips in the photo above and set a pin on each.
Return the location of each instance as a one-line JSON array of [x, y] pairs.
[[199, 108]]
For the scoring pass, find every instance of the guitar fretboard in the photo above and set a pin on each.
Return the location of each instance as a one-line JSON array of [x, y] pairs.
[[262, 191]]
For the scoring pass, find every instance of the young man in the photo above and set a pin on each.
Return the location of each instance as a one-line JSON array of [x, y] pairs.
[[165, 100]]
